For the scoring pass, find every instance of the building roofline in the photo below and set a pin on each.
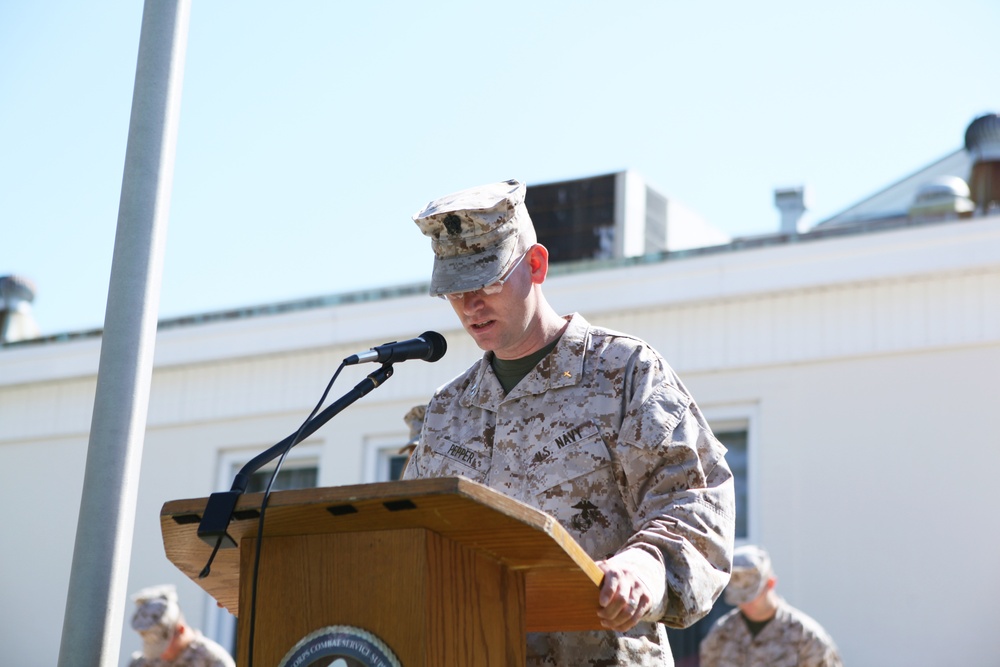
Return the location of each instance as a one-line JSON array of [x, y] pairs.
[[738, 244], [844, 216]]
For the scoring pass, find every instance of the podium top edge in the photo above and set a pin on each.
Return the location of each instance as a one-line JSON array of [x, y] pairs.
[[379, 491]]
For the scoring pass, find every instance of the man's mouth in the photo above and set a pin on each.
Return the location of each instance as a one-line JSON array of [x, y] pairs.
[[482, 325]]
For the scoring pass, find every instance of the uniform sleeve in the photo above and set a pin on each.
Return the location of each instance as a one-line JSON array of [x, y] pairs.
[[680, 492]]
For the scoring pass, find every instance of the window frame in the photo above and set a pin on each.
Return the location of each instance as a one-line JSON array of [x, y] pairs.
[[745, 417], [379, 449]]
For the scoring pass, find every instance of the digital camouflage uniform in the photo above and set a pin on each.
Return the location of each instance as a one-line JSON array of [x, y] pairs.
[[201, 652], [790, 639], [156, 618], [603, 436]]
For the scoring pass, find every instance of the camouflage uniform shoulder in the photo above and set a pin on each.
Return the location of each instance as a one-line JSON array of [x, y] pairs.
[[581, 337], [807, 624], [724, 623], [605, 336], [628, 352]]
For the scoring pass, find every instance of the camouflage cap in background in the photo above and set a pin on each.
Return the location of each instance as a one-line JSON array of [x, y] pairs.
[[474, 235], [156, 607], [415, 421], [751, 570]]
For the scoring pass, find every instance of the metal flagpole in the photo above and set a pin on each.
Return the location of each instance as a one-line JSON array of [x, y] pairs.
[[95, 605]]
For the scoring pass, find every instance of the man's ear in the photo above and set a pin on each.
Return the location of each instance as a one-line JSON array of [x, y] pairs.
[[538, 260]]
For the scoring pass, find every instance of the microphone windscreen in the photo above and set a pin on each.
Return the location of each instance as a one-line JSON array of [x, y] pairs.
[[438, 345]]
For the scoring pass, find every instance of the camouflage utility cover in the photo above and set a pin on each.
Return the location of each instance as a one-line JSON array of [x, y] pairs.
[[751, 572], [474, 234], [790, 639], [603, 436]]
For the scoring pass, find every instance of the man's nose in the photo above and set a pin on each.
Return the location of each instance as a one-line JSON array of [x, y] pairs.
[[471, 302]]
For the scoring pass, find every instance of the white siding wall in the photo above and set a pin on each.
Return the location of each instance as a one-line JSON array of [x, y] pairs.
[[865, 367]]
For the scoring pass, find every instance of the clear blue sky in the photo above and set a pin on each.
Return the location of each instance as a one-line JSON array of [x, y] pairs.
[[312, 130]]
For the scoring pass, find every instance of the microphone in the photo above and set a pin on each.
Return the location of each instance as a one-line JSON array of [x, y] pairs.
[[429, 346]]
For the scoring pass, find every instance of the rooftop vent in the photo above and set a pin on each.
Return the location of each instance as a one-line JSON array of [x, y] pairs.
[[16, 320], [792, 204], [943, 198], [982, 140]]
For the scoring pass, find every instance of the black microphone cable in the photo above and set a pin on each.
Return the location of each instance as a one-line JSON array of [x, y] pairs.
[[263, 509]]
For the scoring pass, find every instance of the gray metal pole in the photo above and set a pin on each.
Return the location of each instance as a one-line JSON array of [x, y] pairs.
[[95, 606]]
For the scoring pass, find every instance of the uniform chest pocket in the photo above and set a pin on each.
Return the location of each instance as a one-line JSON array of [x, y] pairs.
[[578, 470], [575, 484], [575, 453], [469, 459]]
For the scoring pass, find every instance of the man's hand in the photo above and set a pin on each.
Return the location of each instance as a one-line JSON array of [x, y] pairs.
[[624, 598]]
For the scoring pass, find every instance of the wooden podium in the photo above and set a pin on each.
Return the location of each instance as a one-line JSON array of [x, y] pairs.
[[446, 572]]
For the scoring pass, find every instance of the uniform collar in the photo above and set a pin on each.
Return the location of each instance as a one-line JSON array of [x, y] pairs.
[[563, 367], [178, 643]]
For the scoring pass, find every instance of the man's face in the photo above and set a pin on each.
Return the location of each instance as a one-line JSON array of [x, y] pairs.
[[501, 323], [155, 621]]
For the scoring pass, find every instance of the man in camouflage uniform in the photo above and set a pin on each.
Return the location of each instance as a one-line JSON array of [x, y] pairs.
[[589, 425], [167, 640], [764, 630]]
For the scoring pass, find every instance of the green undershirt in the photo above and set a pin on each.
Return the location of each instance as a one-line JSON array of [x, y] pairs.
[[755, 626], [512, 371]]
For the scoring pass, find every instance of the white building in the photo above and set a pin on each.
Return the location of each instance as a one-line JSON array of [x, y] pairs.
[[852, 367]]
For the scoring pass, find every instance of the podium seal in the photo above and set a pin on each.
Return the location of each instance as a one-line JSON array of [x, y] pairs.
[[340, 646]]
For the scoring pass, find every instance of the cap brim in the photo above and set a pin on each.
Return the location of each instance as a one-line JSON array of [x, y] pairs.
[[736, 597], [744, 587], [467, 273]]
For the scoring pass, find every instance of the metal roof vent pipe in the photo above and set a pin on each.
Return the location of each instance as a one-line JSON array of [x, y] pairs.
[[940, 199], [16, 319], [793, 206], [982, 140]]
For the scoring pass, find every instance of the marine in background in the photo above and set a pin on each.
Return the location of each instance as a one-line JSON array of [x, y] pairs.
[[167, 639], [764, 630]]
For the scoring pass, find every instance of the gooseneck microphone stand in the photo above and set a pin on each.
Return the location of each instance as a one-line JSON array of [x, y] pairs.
[[222, 504]]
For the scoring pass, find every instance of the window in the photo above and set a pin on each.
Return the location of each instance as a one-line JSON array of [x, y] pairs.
[[384, 458], [736, 442], [396, 464], [291, 476]]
